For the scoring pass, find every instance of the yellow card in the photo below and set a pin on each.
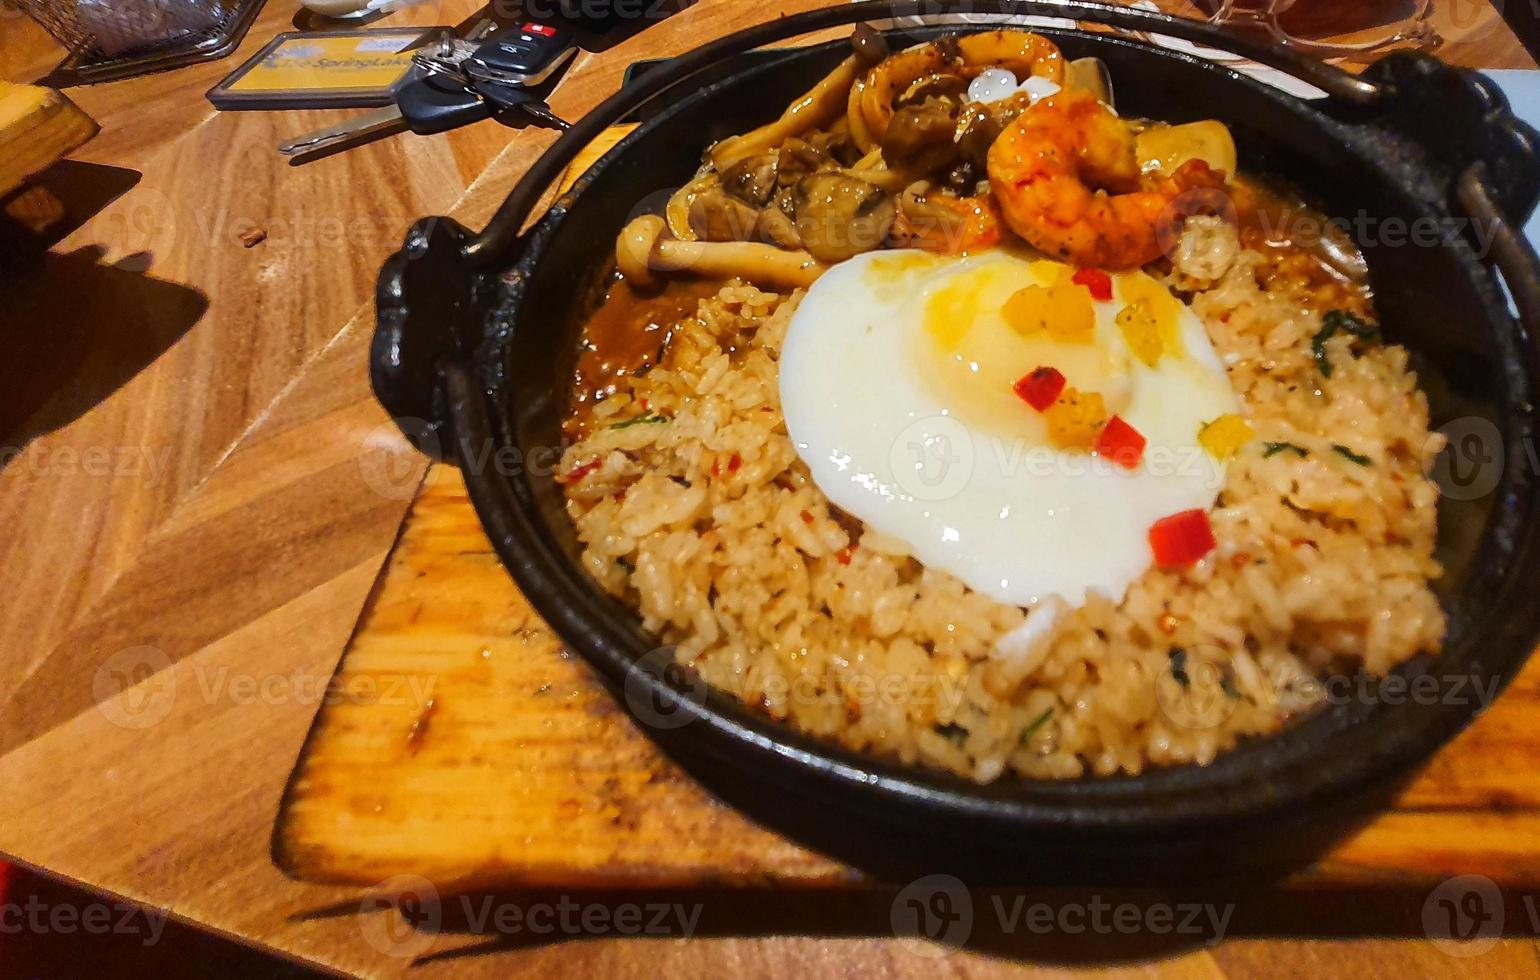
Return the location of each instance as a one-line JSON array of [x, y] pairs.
[[330, 63], [304, 70]]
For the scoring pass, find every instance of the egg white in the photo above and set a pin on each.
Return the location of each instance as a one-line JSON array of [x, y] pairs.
[[926, 443]]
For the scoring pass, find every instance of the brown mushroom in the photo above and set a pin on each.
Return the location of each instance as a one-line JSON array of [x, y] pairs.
[[716, 216], [839, 216], [980, 124], [775, 227], [752, 179], [643, 252], [798, 157], [944, 86], [921, 138], [869, 44], [819, 107]]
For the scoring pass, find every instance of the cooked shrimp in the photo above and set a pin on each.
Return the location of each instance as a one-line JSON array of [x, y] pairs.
[[938, 222], [1048, 166]]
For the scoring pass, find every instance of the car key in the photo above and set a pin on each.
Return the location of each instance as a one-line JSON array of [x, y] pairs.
[[527, 55], [518, 98], [387, 121], [459, 83]]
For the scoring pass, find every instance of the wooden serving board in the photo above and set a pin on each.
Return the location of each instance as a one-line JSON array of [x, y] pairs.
[[37, 127], [463, 744]]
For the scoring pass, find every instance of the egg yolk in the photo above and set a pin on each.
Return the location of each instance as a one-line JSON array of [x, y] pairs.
[[988, 326]]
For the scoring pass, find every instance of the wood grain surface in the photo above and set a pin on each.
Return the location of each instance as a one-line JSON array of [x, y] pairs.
[[193, 520]]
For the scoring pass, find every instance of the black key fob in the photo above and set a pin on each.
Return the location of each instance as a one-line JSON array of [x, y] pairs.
[[436, 105], [527, 55]]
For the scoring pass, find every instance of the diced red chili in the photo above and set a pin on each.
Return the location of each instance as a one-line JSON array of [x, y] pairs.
[[1041, 388], [1180, 540], [1121, 443], [581, 471], [843, 556], [733, 462], [807, 517], [1097, 281]]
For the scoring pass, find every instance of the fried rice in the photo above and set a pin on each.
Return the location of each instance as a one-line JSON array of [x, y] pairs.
[[693, 506]]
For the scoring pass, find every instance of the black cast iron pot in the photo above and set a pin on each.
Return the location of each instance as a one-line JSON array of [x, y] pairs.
[[478, 336]]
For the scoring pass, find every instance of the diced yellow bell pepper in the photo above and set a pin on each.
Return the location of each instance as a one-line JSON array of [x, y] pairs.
[[1076, 418], [1224, 436], [1141, 331], [1064, 310], [1139, 287]]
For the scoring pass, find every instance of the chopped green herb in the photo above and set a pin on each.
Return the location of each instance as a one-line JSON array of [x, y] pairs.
[[1350, 456], [1227, 684], [953, 733], [1179, 666], [1272, 449], [647, 419], [1037, 723], [1332, 323]]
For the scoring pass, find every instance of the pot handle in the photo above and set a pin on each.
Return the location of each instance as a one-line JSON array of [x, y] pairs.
[[1460, 119], [1487, 158], [431, 276], [1512, 252]]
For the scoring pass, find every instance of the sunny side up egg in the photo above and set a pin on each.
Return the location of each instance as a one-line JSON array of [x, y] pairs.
[[907, 381]]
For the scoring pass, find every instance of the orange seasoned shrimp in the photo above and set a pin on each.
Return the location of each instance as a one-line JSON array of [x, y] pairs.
[[1048, 168], [950, 225]]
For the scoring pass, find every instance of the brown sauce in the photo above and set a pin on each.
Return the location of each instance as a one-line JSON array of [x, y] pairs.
[[627, 335], [1299, 244]]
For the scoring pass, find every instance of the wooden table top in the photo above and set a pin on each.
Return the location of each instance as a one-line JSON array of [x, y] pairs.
[[190, 492]]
